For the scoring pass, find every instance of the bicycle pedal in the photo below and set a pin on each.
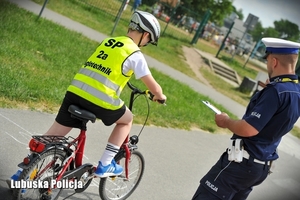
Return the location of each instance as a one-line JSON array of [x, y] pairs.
[[92, 170], [119, 176]]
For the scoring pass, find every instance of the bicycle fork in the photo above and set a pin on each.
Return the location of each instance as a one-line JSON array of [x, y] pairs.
[[128, 147]]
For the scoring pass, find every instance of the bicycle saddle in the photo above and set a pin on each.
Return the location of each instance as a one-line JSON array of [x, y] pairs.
[[81, 113]]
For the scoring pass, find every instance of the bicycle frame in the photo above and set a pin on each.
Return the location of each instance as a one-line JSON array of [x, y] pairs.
[[127, 155], [80, 140], [79, 150]]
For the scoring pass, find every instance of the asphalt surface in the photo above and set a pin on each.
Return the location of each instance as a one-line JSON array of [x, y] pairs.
[[175, 159]]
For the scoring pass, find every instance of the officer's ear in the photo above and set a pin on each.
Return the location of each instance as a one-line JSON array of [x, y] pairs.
[[274, 62]]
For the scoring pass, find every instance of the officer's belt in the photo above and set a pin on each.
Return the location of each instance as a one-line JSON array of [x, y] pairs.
[[247, 156]]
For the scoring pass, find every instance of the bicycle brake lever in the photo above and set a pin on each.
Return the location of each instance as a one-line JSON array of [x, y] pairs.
[[150, 95]]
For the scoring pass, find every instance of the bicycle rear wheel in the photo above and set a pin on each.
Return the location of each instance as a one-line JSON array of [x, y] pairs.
[[41, 171], [119, 188]]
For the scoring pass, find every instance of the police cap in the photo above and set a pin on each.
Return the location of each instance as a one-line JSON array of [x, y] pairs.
[[280, 46]]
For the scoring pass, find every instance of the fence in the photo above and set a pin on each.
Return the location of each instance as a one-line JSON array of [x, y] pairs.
[[177, 22], [108, 9], [238, 42]]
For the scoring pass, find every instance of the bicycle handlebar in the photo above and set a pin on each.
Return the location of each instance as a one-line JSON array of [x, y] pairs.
[[135, 90]]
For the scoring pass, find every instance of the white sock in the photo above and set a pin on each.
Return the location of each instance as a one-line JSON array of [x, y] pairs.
[[110, 151]]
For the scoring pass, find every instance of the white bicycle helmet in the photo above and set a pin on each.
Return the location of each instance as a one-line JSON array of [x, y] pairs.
[[147, 22]]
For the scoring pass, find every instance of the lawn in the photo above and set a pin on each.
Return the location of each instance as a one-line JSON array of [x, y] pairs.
[[36, 71], [39, 63]]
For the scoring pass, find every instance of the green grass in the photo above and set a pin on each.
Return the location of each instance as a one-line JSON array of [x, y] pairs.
[[238, 67], [184, 108], [224, 87], [167, 50], [40, 58]]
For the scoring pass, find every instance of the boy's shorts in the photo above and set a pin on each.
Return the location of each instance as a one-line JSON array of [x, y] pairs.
[[64, 118]]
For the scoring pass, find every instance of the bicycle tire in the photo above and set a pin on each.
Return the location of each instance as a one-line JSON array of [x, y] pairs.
[[33, 171], [117, 188]]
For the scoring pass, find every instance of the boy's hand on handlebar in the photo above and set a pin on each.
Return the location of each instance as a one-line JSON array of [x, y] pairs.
[[162, 99]]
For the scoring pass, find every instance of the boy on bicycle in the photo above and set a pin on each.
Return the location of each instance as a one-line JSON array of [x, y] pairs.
[[100, 81]]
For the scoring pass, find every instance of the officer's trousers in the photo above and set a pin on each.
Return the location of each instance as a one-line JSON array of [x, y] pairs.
[[228, 180]]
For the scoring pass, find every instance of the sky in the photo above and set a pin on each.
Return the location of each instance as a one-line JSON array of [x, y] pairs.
[[269, 11]]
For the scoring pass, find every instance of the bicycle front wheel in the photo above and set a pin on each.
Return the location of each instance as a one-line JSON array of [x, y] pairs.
[[42, 172], [120, 188]]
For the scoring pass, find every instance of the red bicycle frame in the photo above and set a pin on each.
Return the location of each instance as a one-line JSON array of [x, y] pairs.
[[127, 157], [80, 140]]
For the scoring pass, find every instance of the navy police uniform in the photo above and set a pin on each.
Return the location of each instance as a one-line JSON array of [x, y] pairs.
[[272, 111]]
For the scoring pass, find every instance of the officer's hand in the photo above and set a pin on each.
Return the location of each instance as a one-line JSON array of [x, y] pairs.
[[221, 120]]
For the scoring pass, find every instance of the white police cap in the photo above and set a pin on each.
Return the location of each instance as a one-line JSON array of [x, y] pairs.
[[280, 46]]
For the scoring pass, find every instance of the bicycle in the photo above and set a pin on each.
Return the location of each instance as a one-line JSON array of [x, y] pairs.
[[56, 161]]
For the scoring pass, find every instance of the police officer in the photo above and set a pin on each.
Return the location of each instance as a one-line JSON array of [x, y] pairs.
[[270, 114]]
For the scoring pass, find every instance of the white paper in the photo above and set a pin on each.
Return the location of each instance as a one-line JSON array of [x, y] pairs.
[[216, 110]]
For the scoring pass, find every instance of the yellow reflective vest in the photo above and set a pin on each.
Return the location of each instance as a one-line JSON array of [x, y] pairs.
[[101, 80]]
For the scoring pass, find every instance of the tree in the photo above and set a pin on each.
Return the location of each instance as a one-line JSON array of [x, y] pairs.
[[149, 2], [287, 30], [257, 32], [219, 8], [283, 29], [271, 32], [239, 13]]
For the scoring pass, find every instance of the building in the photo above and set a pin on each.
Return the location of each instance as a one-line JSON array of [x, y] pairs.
[[243, 40]]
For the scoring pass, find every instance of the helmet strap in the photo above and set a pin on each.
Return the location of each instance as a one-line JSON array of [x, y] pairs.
[[141, 38], [139, 44]]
